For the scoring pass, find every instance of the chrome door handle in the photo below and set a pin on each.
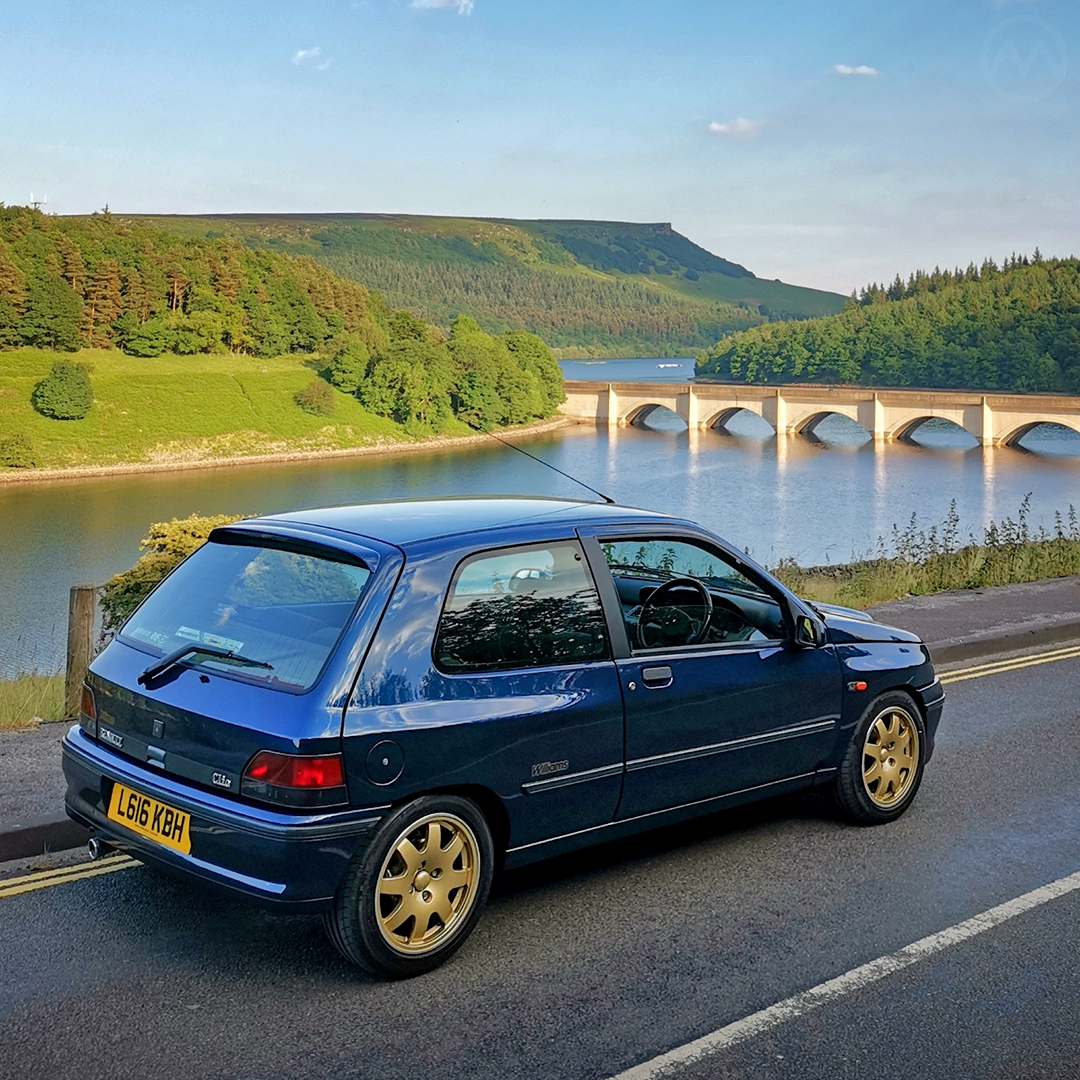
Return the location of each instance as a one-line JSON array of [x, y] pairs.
[[656, 677]]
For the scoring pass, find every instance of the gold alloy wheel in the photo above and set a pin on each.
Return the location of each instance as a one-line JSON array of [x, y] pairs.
[[427, 884], [890, 757]]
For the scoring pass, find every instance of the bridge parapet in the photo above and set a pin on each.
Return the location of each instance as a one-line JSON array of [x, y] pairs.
[[886, 414]]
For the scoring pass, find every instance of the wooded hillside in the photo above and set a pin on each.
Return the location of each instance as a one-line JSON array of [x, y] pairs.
[[1014, 327], [587, 287], [68, 284]]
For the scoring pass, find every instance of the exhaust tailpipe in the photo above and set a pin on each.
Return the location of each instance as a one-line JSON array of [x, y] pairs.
[[96, 849]]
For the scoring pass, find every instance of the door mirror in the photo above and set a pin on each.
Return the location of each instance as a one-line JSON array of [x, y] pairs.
[[808, 633]]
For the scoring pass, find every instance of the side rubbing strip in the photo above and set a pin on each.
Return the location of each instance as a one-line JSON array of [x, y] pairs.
[[536, 787], [815, 727], [715, 800]]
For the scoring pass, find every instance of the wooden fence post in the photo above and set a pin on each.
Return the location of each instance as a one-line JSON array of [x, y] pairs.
[[82, 605]]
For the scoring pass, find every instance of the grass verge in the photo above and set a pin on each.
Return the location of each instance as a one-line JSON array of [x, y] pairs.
[[29, 698], [916, 561]]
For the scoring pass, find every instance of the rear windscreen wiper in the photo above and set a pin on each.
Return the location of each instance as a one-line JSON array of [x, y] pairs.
[[166, 662]]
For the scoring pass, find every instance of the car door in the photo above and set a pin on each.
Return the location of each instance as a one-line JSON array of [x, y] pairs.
[[738, 707], [494, 671]]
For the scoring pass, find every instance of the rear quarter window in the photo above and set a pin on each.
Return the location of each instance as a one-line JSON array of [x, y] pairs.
[[521, 607]]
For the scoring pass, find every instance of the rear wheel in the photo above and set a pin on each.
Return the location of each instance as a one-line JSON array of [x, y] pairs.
[[413, 895], [883, 766]]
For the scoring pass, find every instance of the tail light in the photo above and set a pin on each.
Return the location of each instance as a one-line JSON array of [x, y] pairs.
[[88, 712], [295, 780]]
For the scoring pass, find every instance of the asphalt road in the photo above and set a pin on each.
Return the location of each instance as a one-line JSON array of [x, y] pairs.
[[589, 966]]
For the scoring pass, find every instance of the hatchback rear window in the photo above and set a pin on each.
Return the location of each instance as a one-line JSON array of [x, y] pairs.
[[279, 611]]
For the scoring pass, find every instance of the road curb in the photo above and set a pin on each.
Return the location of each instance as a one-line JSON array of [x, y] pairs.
[[40, 836], [949, 652], [60, 833]]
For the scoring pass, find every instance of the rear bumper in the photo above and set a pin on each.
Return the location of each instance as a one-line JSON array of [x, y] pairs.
[[288, 862]]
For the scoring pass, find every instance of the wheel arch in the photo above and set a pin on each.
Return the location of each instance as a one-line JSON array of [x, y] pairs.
[[909, 690], [489, 804]]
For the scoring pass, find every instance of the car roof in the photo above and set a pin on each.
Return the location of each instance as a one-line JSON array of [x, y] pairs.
[[407, 522]]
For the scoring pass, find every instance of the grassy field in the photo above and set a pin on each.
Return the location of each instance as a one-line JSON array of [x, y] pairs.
[[174, 409]]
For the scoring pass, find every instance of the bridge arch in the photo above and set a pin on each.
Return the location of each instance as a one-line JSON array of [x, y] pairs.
[[719, 421], [808, 427], [905, 431], [1014, 437], [802, 420], [904, 428], [639, 415]]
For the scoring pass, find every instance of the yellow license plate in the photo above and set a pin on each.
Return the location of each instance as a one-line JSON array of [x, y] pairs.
[[150, 818]]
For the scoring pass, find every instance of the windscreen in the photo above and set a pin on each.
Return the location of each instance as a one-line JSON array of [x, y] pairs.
[[279, 612]]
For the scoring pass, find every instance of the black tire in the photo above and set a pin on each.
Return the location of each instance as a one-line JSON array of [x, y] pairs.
[[403, 908], [883, 765]]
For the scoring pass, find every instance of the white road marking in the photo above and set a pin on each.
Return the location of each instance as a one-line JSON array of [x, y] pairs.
[[830, 991]]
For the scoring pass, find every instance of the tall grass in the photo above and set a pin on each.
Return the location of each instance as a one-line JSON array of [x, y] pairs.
[[30, 697], [916, 561]]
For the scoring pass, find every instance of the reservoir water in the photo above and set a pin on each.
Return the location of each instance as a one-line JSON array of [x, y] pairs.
[[812, 501]]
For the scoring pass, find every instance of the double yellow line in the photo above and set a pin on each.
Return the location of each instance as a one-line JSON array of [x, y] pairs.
[[1015, 664], [44, 879]]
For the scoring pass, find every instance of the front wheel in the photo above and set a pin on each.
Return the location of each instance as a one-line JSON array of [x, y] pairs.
[[413, 895], [883, 765]]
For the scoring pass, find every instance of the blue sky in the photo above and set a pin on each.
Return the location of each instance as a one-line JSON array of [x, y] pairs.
[[826, 144]]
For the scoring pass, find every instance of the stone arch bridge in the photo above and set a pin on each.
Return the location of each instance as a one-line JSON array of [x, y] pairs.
[[887, 415]]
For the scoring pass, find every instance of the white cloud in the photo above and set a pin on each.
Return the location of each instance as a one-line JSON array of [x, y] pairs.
[[305, 54], [740, 128], [462, 7], [325, 64], [861, 69]]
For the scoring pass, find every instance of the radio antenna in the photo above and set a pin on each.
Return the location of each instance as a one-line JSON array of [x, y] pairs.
[[607, 498]]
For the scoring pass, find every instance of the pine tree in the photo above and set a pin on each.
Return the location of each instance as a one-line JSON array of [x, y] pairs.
[[227, 275], [178, 282], [104, 303], [12, 281], [73, 270]]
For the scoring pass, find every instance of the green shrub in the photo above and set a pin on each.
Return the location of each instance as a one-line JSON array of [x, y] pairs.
[[167, 544], [349, 363], [317, 398], [17, 452], [64, 394]]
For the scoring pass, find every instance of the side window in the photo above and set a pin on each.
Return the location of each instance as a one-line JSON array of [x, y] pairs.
[[678, 593], [521, 607]]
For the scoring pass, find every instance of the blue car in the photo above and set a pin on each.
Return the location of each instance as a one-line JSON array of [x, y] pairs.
[[365, 711]]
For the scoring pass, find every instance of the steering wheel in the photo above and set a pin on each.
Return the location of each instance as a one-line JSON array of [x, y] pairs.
[[674, 624]]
